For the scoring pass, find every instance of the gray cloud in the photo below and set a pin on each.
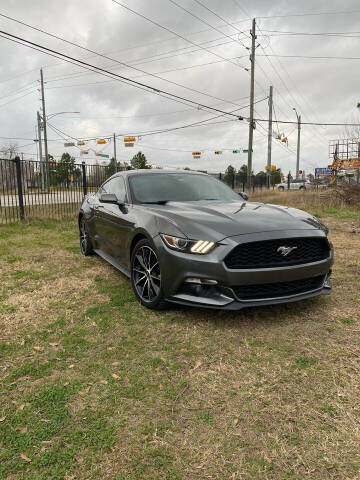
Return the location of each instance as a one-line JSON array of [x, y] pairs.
[[321, 90]]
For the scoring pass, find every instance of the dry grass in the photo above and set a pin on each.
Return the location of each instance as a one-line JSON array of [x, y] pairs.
[[114, 391]]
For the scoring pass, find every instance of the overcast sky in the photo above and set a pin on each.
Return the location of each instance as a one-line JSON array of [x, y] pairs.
[[322, 90]]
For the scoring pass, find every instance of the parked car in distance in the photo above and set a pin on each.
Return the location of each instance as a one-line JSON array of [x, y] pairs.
[[187, 238], [294, 185]]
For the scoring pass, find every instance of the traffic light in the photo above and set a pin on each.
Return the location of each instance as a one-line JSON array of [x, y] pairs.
[[267, 168], [236, 151], [218, 152], [101, 141], [80, 142], [196, 154], [129, 141], [273, 168]]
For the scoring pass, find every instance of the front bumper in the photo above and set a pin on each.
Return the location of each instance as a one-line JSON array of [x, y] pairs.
[[176, 267]]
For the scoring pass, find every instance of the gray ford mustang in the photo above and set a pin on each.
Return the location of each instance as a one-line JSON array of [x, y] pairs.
[[185, 237]]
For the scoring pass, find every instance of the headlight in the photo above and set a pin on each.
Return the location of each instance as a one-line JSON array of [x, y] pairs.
[[189, 246]]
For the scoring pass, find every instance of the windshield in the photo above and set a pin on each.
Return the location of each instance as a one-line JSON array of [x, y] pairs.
[[179, 187]]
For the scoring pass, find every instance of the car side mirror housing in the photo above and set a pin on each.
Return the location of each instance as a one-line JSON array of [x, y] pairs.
[[108, 198], [111, 198], [244, 195]]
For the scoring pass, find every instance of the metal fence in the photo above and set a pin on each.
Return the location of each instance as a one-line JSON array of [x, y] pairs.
[[32, 190]]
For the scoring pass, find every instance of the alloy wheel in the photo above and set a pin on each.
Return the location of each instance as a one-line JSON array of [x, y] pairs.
[[84, 236], [146, 274]]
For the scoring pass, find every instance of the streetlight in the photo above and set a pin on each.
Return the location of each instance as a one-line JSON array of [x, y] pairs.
[[298, 144], [58, 113]]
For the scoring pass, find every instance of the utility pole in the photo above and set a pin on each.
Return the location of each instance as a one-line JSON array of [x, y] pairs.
[[44, 115], [42, 170], [115, 153], [268, 172], [298, 145], [251, 121], [46, 169]]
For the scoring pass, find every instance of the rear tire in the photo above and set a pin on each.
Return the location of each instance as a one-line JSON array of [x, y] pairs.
[[281, 189], [146, 276], [85, 241], [302, 188]]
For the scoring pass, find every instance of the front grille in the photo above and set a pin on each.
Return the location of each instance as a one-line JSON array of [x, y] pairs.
[[266, 255], [278, 290]]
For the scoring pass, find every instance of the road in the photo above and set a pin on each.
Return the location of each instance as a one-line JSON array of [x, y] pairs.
[[51, 198]]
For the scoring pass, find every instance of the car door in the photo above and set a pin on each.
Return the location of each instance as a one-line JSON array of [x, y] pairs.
[[114, 222]]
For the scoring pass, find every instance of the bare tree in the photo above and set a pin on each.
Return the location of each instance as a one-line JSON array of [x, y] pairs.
[[9, 152]]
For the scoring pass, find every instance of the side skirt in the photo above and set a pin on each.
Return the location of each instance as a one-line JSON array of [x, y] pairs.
[[113, 262]]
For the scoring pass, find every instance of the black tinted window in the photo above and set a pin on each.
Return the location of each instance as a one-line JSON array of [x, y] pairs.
[[179, 187], [117, 186]]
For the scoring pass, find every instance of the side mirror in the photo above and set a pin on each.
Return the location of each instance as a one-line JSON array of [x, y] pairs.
[[108, 198], [244, 195]]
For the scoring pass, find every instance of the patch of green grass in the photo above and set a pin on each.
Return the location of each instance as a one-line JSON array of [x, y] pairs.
[[304, 362], [339, 213], [347, 320], [73, 249]]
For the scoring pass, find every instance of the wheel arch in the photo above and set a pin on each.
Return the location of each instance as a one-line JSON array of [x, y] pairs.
[[139, 235]]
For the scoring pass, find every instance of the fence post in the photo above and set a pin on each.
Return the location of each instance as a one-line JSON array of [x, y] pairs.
[[84, 178], [19, 187]]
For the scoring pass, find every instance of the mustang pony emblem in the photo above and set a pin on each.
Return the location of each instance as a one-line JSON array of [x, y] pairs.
[[285, 250]]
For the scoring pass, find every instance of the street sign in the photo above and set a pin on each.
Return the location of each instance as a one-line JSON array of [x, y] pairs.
[[218, 152], [69, 144], [103, 155], [323, 171], [236, 151]]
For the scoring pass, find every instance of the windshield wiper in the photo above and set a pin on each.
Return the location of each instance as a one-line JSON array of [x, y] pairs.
[[157, 202]]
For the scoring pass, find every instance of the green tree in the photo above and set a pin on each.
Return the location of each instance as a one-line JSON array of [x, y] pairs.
[[260, 178], [139, 161], [229, 176], [65, 171], [110, 169], [241, 175]]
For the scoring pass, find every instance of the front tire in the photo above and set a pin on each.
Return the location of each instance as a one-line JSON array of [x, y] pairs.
[[85, 241], [302, 188], [146, 276], [281, 189]]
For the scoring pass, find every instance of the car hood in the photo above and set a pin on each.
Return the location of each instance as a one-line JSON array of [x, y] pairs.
[[216, 221]]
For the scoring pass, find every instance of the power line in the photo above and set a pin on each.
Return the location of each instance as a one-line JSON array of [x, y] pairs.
[[144, 75], [310, 56], [270, 33], [205, 22], [17, 98], [171, 31], [112, 59], [311, 14], [101, 71], [221, 18], [151, 58]]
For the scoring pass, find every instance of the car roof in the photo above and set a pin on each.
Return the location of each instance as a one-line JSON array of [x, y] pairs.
[[150, 171]]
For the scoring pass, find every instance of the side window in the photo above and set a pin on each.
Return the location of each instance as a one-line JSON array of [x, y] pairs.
[[117, 186]]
